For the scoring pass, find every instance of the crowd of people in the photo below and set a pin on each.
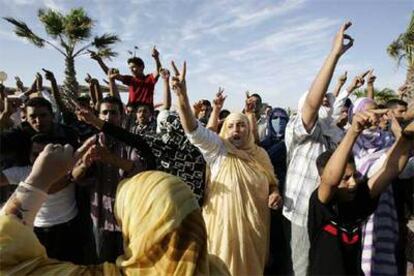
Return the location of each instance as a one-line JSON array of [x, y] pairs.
[[92, 186]]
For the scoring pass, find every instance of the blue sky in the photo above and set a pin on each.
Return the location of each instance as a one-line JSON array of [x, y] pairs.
[[274, 48]]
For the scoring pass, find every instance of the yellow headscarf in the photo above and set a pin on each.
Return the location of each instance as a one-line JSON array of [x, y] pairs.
[[163, 230], [249, 151]]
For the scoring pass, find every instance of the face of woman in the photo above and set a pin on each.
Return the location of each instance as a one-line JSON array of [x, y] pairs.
[[237, 132]]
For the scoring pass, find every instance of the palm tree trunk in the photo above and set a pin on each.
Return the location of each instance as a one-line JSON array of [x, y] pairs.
[[71, 84], [410, 82]]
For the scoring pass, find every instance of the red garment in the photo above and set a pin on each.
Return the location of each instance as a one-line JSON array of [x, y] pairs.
[[140, 90]]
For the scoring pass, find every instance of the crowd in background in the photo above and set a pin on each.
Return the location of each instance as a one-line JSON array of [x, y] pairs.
[[145, 189]]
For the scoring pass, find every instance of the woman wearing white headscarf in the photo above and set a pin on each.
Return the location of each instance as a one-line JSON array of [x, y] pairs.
[[242, 186]]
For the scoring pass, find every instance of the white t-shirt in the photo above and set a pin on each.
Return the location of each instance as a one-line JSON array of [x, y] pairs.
[[59, 207]]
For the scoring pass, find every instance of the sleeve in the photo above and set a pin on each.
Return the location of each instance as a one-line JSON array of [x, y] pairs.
[[153, 79], [132, 140], [339, 104], [296, 132], [125, 79], [208, 142]]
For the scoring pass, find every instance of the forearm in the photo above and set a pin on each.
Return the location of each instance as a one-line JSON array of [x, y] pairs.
[[338, 88], [167, 95], [79, 171], [213, 121], [335, 168], [98, 91], [188, 120], [123, 164], [318, 91], [252, 121], [157, 66], [370, 91], [113, 89], [395, 163], [57, 96], [92, 93]]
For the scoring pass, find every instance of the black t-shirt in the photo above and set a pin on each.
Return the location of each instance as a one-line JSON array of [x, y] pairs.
[[335, 233]]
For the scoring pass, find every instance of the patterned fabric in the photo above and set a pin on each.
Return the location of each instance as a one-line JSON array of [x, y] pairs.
[[302, 176], [175, 155]]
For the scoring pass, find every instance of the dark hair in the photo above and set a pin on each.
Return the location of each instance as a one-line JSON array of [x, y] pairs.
[[136, 60], [206, 103], [149, 106], [324, 157], [394, 102], [348, 103], [257, 96], [223, 114], [111, 100], [39, 102], [133, 105]]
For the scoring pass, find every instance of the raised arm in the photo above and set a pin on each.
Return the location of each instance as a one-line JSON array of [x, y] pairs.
[[188, 121], [55, 91], [156, 55], [98, 59], [166, 103], [397, 158], [249, 110], [341, 81], [321, 83], [370, 84], [91, 89], [335, 168], [218, 102]]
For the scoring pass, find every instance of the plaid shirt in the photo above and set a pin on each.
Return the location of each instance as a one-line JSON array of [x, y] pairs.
[[302, 178]]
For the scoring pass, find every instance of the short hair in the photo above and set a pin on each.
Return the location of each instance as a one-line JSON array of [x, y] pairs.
[[149, 106], [111, 100], [206, 102], [223, 114], [394, 102], [257, 96], [39, 102], [130, 104], [324, 157], [136, 60], [348, 103]]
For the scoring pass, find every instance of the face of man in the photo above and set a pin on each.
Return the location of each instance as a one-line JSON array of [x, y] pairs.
[[399, 111], [136, 69], [258, 104], [129, 110], [325, 102], [110, 113], [143, 115], [205, 112], [348, 184], [39, 118]]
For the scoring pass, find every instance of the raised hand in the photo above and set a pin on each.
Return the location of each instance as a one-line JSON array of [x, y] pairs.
[[339, 46], [218, 101], [342, 78], [250, 104], [178, 83], [358, 81], [197, 106], [165, 74], [48, 75], [370, 77], [154, 52], [19, 83], [88, 78], [366, 119], [39, 82], [53, 163], [113, 73]]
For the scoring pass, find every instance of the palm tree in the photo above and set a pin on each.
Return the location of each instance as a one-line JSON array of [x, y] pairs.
[[381, 96], [402, 49], [71, 36]]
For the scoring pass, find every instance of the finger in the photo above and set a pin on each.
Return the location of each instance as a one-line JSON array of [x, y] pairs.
[[379, 111], [46, 71], [346, 25], [68, 153], [176, 72], [48, 148], [247, 94], [364, 74], [184, 72]]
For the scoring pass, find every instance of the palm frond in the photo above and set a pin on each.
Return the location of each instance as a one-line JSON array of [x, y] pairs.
[[22, 30], [107, 53], [395, 49], [53, 21], [105, 40], [78, 25]]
